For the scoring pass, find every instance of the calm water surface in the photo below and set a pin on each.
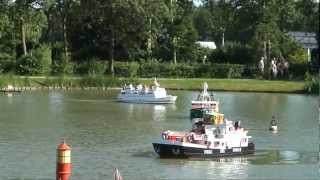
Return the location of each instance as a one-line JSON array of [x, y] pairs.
[[105, 134]]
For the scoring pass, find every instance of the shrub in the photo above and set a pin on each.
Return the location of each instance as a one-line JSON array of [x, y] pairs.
[[220, 71], [126, 69], [43, 56], [298, 56], [61, 67], [7, 63], [312, 83], [232, 52], [298, 70], [184, 70], [252, 71], [28, 65], [91, 67], [149, 69], [156, 69]]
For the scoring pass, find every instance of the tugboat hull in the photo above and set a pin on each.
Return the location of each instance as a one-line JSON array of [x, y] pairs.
[[179, 151]]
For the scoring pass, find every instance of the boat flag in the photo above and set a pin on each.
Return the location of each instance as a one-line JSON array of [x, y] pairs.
[[116, 174]]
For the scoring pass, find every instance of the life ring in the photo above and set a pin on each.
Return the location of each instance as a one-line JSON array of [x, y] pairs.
[[176, 151]]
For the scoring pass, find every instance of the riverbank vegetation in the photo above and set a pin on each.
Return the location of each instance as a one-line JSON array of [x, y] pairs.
[[104, 83], [106, 41]]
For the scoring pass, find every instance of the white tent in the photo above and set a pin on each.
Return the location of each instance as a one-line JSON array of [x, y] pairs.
[[207, 44]]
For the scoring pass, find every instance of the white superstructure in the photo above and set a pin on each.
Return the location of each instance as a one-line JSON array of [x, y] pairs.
[[205, 100], [222, 134], [143, 94]]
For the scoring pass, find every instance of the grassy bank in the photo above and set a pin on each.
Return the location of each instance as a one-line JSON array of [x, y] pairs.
[[247, 85]]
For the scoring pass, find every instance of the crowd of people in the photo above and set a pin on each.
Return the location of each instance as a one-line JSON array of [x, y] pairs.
[[278, 68]]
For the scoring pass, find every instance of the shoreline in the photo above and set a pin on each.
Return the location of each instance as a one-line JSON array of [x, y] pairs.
[[31, 83]]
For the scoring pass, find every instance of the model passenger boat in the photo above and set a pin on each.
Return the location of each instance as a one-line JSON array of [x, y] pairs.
[[9, 89], [211, 136], [143, 94]]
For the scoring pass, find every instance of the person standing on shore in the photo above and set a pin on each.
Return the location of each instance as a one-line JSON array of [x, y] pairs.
[[261, 65]]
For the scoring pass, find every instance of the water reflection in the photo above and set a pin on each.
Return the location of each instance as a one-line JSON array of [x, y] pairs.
[[284, 157], [104, 134], [289, 156], [228, 167], [56, 101], [10, 96], [159, 112]]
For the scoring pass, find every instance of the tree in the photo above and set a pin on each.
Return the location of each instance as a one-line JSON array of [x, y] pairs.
[[203, 23]]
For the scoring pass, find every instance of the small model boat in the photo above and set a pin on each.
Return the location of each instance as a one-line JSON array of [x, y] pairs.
[[211, 136], [9, 89], [273, 125], [205, 103], [273, 128], [142, 94]]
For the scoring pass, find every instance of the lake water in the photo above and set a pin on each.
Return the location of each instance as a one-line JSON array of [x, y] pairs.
[[105, 134]]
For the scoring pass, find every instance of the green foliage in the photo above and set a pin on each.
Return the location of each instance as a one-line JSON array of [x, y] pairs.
[[60, 81], [182, 70], [151, 30], [28, 65], [14, 80], [91, 67], [297, 71], [43, 55], [126, 69], [203, 23], [156, 69], [62, 67], [298, 56], [220, 71], [97, 81], [252, 71], [312, 83], [235, 53], [6, 63]]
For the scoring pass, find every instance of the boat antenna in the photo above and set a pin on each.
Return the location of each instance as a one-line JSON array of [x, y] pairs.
[[205, 88]]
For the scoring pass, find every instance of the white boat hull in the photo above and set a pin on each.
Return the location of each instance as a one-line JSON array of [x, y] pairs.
[[147, 100], [273, 128]]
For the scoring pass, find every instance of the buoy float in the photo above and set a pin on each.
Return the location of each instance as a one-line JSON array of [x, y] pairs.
[[63, 170]]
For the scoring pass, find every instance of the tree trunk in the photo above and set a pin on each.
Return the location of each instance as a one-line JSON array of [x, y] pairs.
[[65, 42], [111, 63], [23, 37], [174, 56]]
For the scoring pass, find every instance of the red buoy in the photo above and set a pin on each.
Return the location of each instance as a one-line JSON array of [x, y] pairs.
[[63, 171]]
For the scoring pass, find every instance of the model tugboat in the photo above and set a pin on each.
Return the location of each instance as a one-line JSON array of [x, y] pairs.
[[204, 103], [211, 136], [142, 94]]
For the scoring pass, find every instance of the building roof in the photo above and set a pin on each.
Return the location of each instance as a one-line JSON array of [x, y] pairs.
[[306, 39], [207, 44]]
